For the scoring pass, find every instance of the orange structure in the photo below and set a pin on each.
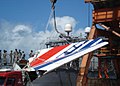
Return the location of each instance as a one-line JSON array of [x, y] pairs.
[[106, 23]]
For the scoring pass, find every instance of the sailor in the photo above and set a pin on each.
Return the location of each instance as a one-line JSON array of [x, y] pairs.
[[0, 53], [15, 55], [11, 57], [31, 54], [0, 56], [23, 55], [19, 54], [5, 57]]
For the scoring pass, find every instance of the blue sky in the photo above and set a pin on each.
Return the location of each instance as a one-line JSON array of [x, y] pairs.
[[36, 12], [23, 22]]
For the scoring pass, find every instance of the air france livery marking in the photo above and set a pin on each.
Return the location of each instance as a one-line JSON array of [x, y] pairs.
[[60, 55]]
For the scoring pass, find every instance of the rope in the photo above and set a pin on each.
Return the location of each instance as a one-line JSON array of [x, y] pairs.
[[51, 13], [31, 84], [55, 20]]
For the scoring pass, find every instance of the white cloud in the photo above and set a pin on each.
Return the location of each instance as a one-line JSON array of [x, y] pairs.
[[62, 21], [22, 30], [23, 36]]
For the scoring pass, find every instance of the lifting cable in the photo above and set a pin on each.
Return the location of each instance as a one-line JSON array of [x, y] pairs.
[[55, 26], [51, 13], [54, 18], [54, 21]]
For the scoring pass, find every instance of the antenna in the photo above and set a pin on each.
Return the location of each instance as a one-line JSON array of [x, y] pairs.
[[68, 28]]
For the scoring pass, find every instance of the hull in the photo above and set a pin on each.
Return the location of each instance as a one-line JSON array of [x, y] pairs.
[[60, 77]]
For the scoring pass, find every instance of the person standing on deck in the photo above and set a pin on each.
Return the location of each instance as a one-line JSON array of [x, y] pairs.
[[23, 55], [31, 54], [0, 56], [5, 57], [11, 57], [15, 55], [19, 55]]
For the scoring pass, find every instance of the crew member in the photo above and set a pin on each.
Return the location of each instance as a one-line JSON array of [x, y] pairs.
[[19, 55], [15, 55], [31, 54], [11, 57], [5, 57], [0, 56], [23, 55]]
